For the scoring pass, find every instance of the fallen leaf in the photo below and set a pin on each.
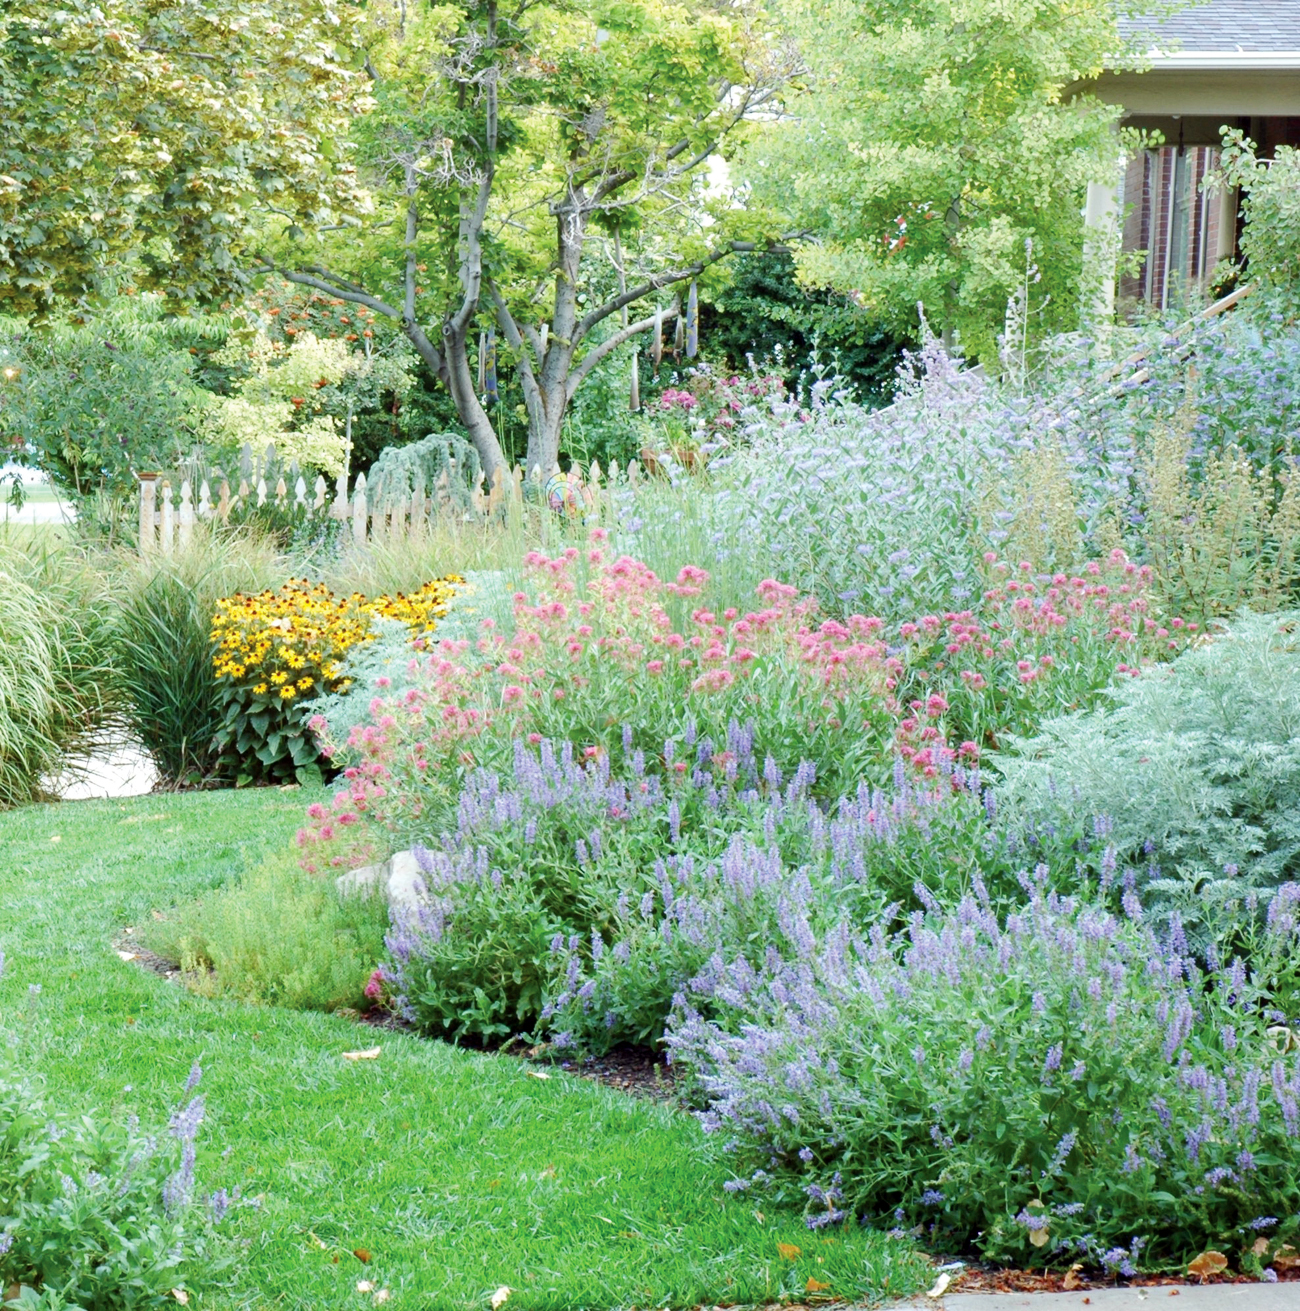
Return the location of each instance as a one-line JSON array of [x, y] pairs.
[[538, 1074], [1286, 1257], [789, 1251], [1260, 1246], [56, 837], [548, 1173], [383, 1295], [365, 1286], [362, 1254], [940, 1286], [499, 1297], [1174, 1292], [126, 955], [1072, 1280], [1207, 1264], [315, 1241], [815, 1286], [758, 1215], [370, 1054], [1038, 1237], [181, 1296]]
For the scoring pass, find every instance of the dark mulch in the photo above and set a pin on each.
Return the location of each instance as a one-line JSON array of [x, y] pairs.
[[631, 1070], [977, 1278]]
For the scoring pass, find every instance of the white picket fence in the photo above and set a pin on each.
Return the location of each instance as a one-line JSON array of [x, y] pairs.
[[169, 511]]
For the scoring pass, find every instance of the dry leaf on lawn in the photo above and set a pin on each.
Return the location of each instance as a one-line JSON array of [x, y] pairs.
[[1207, 1264], [126, 955], [181, 1296], [365, 1286], [815, 1285], [1072, 1280], [789, 1251], [499, 1297], [940, 1286], [370, 1054], [538, 1074], [362, 1254], [383, 1295]]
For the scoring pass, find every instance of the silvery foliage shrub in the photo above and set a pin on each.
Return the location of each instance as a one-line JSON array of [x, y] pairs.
[[1193, 770], [97, 1213], [1060, 1084], [576, 902], [393, 657], [871, 511]]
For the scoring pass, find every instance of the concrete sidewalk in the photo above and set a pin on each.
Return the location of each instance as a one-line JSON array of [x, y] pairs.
[[1209, 1297]]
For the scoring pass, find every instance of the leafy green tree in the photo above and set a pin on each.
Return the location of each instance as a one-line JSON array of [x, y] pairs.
[[763, 313], [933, 140], [96, 400], [517, 157], [1270, 240], [148, 133]]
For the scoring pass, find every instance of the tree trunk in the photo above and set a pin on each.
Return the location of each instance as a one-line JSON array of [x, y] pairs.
[[545, 424], [460, 382], [450, 366]]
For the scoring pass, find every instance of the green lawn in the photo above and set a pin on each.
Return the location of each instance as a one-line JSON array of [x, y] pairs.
[[458, 1172]]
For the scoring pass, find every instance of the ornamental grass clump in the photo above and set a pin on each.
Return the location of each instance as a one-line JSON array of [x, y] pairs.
[[277, 651], [55, 679], [1056, 1085]]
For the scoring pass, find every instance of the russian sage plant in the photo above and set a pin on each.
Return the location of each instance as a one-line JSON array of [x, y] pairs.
[[1057, 1085]]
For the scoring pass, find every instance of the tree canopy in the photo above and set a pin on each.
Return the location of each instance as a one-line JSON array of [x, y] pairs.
[[932, 140], [156, 135]]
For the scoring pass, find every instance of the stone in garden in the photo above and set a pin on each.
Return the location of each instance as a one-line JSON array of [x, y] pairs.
[[398, 879]]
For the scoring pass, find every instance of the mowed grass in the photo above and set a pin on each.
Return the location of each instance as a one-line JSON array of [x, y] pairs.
[[456, 1172]]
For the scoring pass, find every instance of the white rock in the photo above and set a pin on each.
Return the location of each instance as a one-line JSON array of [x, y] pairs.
[[398, 879]]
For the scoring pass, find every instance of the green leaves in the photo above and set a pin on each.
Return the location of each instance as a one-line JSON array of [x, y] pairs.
[[151, 129], [933, 144]]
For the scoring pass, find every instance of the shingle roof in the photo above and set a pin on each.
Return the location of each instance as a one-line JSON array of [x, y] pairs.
[[1220, 26]]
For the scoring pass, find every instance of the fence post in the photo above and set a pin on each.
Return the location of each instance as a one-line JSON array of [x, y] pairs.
[[148, 493], [205, 500], [187, 515], [166, 521], [223, 502], [321, 490], [359, 510]]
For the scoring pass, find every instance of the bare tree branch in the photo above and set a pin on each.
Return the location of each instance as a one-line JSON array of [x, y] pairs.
[[597, 353], [666, 279]]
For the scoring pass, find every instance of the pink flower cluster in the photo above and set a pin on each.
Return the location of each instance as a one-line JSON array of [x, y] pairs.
[[604, 642]]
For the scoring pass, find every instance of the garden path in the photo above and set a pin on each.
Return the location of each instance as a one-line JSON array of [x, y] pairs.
[[1209, 1297]]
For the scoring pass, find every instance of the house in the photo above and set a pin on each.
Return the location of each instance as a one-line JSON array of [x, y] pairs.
[[1214, 64]]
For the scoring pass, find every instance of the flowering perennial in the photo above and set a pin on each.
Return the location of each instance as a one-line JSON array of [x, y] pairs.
[[279, 649]]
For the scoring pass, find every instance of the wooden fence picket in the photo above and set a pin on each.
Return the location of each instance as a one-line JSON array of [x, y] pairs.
[[168, 523]]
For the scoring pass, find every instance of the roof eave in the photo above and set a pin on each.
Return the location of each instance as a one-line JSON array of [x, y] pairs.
[[1221, 61]]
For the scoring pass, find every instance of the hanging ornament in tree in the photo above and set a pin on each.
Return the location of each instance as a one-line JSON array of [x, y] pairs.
[[692, 323], [490, 382], [634, 404], [679, 333], [657, 339]]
